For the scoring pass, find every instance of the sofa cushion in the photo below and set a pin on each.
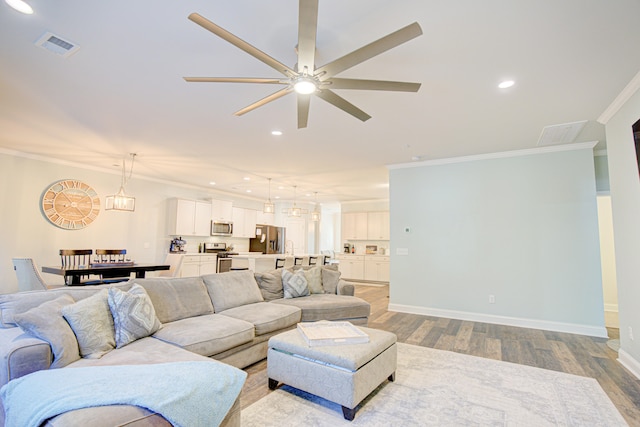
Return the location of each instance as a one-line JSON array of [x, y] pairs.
[[294, 284], [207, 335], [92, 323], [270, 284], [232, 289], [266, 317], [330, 280], [328, 307], [177, 298], [133, 314], [46, 322], [314, 279]]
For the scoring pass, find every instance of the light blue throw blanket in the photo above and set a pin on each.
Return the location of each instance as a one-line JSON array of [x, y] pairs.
[[188, 394]]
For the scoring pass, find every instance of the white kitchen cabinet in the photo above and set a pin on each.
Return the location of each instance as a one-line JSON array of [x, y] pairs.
[[197, 265], [221, 210], [189, 217], [265, 218], [351, 267], [378, 226], [376, 268], [244, 222], [354, 226]]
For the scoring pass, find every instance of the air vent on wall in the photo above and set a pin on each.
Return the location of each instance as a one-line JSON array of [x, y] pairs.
[[57, 45], [561, 134]]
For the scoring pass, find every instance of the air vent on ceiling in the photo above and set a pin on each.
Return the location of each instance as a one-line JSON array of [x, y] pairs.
[[561, 134], [57, 45]]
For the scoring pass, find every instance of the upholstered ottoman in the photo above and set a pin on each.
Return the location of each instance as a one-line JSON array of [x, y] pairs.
[[344, 374]]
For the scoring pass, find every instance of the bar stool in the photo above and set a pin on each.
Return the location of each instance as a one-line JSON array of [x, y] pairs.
[[297, 260], [313, 260], [238, 268], [280, 263]]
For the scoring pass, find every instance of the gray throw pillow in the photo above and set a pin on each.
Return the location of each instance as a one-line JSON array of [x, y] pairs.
[[92, 324], [314, 279], [330, 279], [295, 284], [133, 314], [232, 289], [270, 285], [46, 322]]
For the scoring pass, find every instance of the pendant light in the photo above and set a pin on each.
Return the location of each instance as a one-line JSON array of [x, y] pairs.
[[295, 211], [269, 207], [315, 215], [120, 201]]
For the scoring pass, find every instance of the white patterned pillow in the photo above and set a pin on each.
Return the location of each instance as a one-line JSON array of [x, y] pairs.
[[294, 284], [92, 323], [133, 314]]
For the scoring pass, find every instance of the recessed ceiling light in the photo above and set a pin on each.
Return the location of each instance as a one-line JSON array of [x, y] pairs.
[[276, 132], [280, 187], [277, 197], [506, 84], [20, 6], [212, 183], [246, 178], [248, 191]]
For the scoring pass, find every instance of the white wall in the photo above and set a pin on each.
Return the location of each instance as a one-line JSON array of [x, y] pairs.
[[27, 233], [608, 262], [625, 201], [523, 229]]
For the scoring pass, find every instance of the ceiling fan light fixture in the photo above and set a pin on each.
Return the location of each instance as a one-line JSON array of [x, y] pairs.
[[305, 86]]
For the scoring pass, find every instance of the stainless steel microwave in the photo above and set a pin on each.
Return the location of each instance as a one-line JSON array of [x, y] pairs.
[[221, 228]]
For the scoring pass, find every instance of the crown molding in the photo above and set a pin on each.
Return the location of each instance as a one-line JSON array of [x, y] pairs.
[[620, 100]]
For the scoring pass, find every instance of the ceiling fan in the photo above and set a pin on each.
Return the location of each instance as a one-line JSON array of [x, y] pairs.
[[304, 78]]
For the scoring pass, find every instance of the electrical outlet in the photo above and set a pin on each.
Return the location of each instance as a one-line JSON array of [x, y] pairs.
[[492, 299], [630, 333]]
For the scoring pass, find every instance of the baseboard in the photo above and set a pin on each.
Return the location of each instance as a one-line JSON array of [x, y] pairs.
[[571, 328], [629, 362]]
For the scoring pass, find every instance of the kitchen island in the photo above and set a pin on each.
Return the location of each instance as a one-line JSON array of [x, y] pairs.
[[259, 263]]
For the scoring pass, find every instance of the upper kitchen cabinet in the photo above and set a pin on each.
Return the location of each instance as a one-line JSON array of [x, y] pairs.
[[189, 217], [244, 222], [354, 226], [265, 218], [221, 210], [378, 226]]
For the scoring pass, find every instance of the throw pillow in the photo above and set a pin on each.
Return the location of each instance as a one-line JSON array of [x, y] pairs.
[[314, 279], [133, 314], [46, 322], [295, 284], [92, 323], [270, 284], [330, 279]]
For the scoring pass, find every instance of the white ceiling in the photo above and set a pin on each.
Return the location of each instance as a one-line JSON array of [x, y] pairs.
[[123, 91]]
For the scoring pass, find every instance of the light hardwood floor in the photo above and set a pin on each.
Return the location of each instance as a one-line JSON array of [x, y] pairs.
[[573, 354]]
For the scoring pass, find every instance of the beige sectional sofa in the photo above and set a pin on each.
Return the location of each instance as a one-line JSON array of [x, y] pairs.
[[227, 317]]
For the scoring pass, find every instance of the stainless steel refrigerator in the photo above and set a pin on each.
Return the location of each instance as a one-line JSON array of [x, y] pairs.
[[269, 239]]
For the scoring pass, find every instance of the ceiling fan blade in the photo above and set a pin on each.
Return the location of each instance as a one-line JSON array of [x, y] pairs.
[[234, 80], [339, 83], [369, 51], [241, 44], [343, 104], [303, 110], [307, 29], [263, 101]]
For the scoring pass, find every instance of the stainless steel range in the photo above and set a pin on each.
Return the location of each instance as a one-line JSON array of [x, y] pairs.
[[222, 253]]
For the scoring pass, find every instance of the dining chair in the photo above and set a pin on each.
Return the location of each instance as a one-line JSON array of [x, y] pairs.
[[73, 258], [29, 278], [175, 264], [111, 255], [280, 263]]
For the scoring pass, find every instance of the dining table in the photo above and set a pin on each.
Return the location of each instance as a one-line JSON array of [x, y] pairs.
[[103, 269]]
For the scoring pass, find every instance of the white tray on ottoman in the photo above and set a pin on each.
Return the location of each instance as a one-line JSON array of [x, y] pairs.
[[344, 374]]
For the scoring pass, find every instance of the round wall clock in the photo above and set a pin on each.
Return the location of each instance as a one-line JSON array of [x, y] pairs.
[[70, 204]]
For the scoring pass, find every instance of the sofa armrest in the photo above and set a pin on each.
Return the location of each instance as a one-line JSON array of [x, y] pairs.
[[21, 354], [346, 288]]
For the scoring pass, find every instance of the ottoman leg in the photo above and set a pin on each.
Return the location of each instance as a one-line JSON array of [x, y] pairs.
[[349, 414], [392, 377], [272, 384]]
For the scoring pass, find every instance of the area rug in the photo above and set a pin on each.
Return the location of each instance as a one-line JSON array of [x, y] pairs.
[[442, 388]]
